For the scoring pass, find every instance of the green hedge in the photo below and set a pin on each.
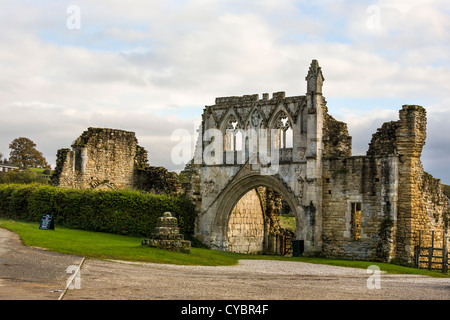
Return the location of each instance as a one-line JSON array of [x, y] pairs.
[[122, 212]]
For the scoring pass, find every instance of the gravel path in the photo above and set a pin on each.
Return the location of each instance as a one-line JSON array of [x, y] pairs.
[[30, 273], [250, 279]]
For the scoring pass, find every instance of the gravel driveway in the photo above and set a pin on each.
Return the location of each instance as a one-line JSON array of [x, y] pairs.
[[31, 273]]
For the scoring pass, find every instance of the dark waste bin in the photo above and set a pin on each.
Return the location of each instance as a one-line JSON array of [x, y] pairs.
[[298, 246]]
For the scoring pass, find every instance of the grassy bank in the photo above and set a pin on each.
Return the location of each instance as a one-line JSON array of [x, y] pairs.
[[111, 246]]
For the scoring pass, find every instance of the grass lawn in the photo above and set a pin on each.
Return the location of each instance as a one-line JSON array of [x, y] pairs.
[[110, 246], [287, 223]]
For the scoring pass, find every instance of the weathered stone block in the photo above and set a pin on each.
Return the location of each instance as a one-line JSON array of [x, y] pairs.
[[167, 235]]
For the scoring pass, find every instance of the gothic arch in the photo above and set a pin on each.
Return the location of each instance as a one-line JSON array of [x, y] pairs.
[[272, 122], [236, 189], [229, 128], [230, 116], [289, 172], [284, 135]]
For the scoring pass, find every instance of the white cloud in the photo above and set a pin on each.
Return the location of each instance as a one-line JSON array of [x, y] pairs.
[[135, 63]]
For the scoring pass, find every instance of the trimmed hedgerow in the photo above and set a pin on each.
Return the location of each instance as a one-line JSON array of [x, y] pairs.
[[121, 212]]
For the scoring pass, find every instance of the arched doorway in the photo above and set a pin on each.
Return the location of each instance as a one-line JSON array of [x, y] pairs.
[[245, 188], [261, 222]]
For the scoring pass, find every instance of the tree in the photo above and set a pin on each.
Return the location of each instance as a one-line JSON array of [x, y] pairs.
[[24, 154]]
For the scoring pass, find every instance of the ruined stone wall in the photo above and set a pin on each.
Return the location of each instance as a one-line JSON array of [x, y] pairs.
[[370, 182], [434, 211], [336, 140], [99, 158], [397, 198], [63, 173], [384, 141], [291, 165], [103, 158], [157, 180], [358, 207], [410, 138]]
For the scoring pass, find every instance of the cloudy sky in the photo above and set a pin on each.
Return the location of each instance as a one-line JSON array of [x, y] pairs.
[[151, 66]]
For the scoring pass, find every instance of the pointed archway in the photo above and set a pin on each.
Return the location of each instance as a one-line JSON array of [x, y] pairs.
[[236, 189]]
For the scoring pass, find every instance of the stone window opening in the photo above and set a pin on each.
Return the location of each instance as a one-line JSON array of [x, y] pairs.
[[231, 136], [356, 220], [238, 143], [285, 134]]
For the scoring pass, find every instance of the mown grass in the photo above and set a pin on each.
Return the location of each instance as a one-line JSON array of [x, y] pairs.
[[109, 246], [118, 247], [287, 223]]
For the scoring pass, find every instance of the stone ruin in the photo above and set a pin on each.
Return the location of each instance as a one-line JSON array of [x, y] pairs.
[[103, 158], [371, 206], [367, 207], [167, 235]]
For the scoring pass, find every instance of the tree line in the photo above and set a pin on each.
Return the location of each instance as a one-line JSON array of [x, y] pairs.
[[33, 167]]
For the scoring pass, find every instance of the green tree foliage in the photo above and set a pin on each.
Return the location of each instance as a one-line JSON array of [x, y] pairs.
[[25, 155]]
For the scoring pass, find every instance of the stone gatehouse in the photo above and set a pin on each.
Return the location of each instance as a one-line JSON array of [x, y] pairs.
[[358, 207]]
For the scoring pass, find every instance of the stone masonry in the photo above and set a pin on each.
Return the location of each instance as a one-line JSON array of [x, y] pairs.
[[370, 206], [95, 158], [167, 235], [103, 158], [246, 225], [253, 225]]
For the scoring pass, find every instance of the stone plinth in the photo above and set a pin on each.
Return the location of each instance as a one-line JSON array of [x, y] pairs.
[[167, 235]]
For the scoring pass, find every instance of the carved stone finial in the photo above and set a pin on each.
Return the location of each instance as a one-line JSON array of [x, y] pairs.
[[314, 78]]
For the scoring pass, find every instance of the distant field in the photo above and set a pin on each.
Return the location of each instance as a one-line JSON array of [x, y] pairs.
[[38, 170], [287, 223]]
